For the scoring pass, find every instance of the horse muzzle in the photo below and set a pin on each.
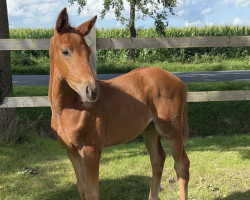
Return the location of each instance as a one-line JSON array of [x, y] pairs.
[[89, 93]]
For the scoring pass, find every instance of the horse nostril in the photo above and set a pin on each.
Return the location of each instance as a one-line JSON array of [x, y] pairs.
[[91, 93], [88, 91]]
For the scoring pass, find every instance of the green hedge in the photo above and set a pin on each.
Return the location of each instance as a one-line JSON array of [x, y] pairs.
[[151, 55]]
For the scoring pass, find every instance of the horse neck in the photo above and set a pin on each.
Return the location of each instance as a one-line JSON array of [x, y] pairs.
[[61, 94]]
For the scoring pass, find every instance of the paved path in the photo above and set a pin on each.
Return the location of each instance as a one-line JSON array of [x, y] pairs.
[[212, 76]]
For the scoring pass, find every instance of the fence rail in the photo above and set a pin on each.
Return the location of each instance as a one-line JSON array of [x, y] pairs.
[[43, 101], [173, 42], [129, 43], [133, 43], [24, 44]]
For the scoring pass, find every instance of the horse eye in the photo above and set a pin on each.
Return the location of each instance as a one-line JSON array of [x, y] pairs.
[[65, 52]]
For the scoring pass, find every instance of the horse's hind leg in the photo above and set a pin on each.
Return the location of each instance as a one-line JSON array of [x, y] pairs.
[[157, 158], [171, 130], [181, 165]]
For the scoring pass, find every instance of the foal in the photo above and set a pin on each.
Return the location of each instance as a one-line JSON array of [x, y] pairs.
[[90, 114]]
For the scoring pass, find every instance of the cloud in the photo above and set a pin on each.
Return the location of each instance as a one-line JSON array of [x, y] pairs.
[[28, 12], [238, 21], [94, 7], [237, 3], [194, 23], [180, 13], [206, 11], [194, 10], [40, 13], [198, 23], [43, 13]]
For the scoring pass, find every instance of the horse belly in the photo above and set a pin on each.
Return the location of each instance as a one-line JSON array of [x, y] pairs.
[[126, 126]]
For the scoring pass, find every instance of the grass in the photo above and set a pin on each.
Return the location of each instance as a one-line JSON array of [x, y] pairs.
[[219, 159], [22, 91], [219, 170], [42, 66], [200, 86], [218, 86], [123, 67]]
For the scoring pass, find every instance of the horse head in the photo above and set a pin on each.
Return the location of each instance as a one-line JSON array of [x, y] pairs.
[[69, 54]]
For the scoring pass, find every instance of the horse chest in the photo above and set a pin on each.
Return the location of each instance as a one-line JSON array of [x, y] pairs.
[[76, 129]]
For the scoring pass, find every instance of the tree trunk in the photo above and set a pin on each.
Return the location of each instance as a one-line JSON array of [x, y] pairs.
[[132, 26], [8, 117]]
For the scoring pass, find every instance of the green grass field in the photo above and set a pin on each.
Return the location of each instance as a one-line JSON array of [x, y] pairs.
[[42, 66], [219, 170], [219, 156]]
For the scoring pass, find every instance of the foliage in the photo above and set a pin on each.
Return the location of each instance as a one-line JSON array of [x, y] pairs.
[[189, 55], [81, 4], [145, 8], [175, 55]]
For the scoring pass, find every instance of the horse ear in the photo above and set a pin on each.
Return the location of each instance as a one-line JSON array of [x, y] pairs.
[[86, 27], [62, 20]]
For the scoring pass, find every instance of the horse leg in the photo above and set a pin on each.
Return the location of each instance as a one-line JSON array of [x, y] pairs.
[[181, 165], [172, 133], [77, 163], [91, 161], [157, 158]]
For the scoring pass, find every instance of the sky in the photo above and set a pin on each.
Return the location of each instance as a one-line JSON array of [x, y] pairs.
[[43, 13]]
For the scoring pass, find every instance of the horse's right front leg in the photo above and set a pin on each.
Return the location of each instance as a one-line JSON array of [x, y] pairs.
[[91, 160], [77, 163]]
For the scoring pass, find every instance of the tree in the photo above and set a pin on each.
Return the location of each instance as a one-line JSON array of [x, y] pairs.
[[156, 9], [8, 117]]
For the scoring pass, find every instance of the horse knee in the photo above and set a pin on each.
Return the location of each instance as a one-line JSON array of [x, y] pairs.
[[182, 168], [81, 192], [92, 196], [158, 165]]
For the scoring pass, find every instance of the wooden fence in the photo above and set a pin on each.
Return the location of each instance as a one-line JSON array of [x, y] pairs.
[[133, 43], [129, 43], [43, 101]]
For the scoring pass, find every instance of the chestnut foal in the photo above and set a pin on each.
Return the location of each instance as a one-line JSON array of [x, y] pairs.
[[90, 114]]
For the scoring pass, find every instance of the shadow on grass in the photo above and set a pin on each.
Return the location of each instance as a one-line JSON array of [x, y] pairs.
[[236, 195], [131, 187], [62, 193], [221, 144]]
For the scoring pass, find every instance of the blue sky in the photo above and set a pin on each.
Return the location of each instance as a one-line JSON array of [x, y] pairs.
[[43, 13]]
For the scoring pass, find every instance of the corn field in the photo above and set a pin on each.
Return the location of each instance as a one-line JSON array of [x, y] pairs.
[[149, 55]]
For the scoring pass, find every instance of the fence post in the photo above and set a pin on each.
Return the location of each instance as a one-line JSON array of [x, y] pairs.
[[91, 41]]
